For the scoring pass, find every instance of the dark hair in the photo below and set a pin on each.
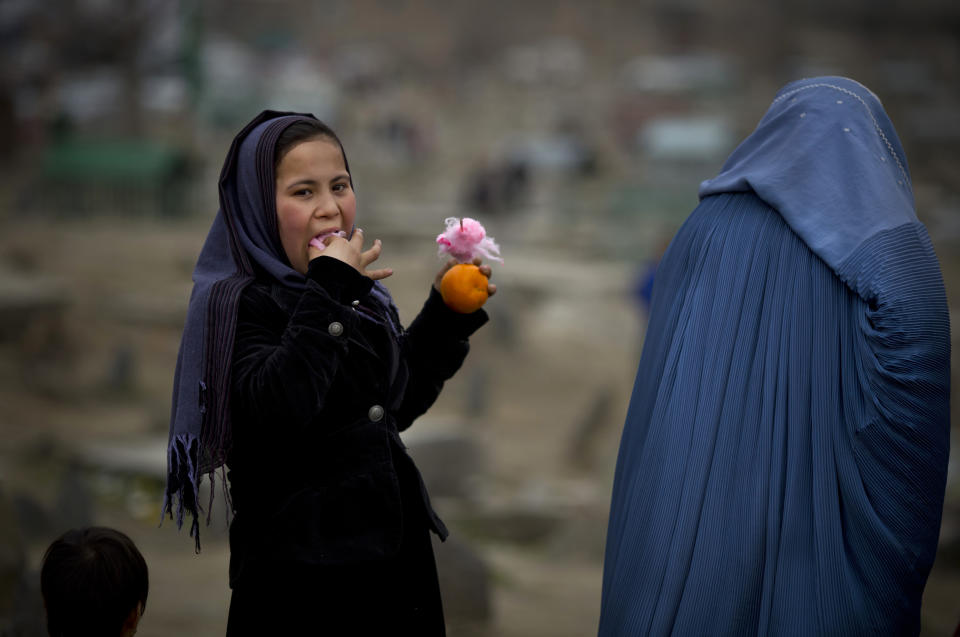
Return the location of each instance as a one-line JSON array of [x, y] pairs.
[[90, 580], [302, 131]]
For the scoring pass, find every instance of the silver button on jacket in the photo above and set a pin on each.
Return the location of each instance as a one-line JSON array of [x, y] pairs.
[[335, 328], [375, 413]]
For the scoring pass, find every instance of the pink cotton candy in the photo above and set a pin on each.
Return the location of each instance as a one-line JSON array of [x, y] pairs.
[[466, 240], [317, 241]]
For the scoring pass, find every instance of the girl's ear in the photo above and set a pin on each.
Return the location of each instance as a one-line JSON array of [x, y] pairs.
[[132, 621]]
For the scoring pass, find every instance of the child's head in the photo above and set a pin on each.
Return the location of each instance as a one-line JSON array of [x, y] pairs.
[[314, 189], [94, 582]]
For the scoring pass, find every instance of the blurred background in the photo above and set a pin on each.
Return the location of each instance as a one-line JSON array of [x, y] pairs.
[[576, 132]]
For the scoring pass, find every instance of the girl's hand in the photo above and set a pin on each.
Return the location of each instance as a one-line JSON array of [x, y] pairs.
[[484, 269], [352, 253]]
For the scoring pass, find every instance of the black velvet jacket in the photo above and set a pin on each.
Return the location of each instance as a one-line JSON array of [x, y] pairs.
[[319, 394]]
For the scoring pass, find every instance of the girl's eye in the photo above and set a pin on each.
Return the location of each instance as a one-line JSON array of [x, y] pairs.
[[303, 192], [339, 187]]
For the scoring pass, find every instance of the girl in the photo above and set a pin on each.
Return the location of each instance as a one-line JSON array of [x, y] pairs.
[[295, 372]]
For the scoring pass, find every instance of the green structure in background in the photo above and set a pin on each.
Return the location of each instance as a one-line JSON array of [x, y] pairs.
[[135, 177]]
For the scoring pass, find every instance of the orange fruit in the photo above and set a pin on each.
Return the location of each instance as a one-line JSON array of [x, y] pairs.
[[464, 288]]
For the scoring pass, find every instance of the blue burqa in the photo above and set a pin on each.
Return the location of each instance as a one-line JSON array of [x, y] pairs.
[[783, 461]]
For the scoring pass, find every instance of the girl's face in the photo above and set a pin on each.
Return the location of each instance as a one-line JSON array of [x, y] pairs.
[[314, 197]]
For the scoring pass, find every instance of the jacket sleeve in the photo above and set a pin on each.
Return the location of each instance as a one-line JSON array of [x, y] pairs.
[[283, 366], [434, 348]]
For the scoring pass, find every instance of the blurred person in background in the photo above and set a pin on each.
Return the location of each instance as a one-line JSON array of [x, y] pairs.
[[295, 373], [783, 462], [94, 584]]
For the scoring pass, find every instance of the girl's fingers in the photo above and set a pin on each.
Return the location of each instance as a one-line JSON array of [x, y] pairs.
[[446, 267], [491, 289], [484, 269], [341, 249], [357, 238], [369, 256], [376, 275]]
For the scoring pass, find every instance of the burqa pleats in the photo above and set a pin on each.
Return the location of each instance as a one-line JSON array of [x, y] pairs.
[[782, 464]]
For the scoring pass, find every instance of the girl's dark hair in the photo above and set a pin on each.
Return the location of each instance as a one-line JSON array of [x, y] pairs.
[[91, 579], [302, 131]]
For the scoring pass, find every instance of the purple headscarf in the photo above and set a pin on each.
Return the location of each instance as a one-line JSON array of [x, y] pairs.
[[243, 242]]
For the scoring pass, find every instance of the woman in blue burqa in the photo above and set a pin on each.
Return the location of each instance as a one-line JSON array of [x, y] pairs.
[[783, 461]]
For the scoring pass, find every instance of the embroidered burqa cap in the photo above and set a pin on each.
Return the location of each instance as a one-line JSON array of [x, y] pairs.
[[827, 158]]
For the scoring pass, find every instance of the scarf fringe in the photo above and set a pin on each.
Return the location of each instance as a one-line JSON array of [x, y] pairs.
[[183, 486], [183, 483]]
